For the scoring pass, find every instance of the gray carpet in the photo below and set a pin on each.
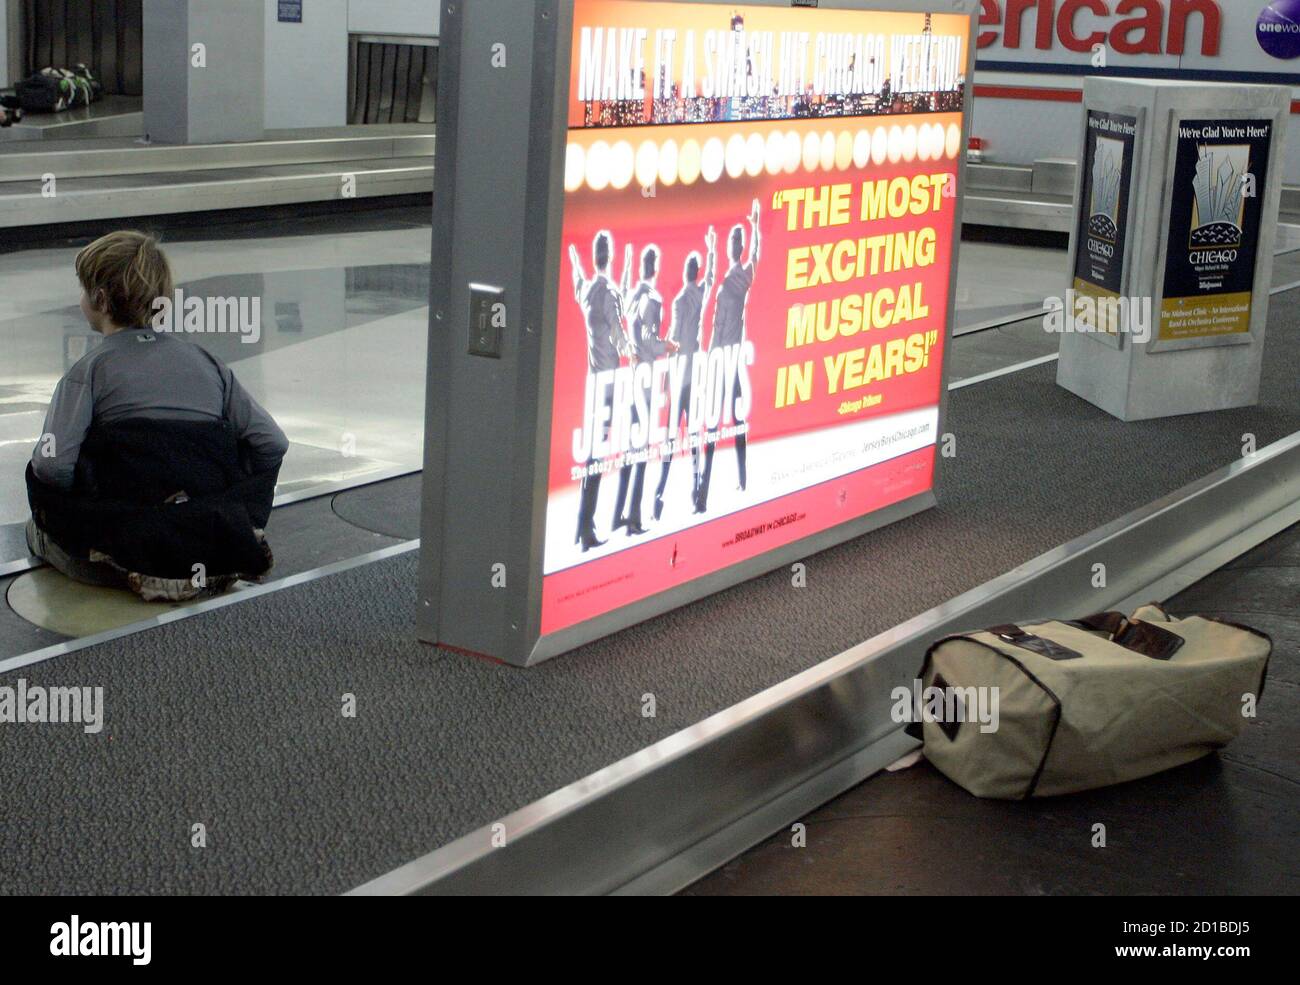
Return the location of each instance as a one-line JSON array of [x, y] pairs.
[[304, 536], [233, 718], [390, 508], [310, 535], [17, 635]]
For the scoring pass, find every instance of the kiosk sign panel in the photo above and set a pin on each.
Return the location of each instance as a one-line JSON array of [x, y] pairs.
[[1102, 235], [757, 243], [1219, 175]]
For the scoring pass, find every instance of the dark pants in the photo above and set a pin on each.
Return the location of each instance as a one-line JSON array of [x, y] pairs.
[[625, 475], [708, 455], [684, 403], [587, 506], [590, 494], [79, 569]]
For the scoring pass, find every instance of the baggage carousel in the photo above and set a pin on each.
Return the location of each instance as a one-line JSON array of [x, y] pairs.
[[1039, 198], [112, 116], [460, 775], [1220, 826], [106, 171], [119, 177]]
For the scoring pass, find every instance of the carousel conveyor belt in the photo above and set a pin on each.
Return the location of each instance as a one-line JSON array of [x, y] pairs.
[[1223, 825], [231, 718]]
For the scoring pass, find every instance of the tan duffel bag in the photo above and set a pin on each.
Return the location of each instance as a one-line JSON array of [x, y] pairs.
[[1056, 707]]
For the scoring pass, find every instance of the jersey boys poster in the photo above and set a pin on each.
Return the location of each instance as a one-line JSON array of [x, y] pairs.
[[757, 239]]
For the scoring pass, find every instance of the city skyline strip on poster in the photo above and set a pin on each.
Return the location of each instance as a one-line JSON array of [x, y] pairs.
[[762, 63]]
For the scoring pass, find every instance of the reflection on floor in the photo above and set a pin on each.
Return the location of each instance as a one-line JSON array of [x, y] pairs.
[[1288, 238], [1222, 825], [338, 358], [47, 599], [44, 609], [109, 116], [997, 281]]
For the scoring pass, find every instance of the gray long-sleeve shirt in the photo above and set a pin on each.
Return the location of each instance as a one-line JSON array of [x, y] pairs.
[[729, 312], [604, 312], [647, 320], [138, 373], [688, 313]]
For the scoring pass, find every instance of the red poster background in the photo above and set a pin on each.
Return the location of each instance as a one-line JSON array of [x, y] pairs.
[[675, 219]]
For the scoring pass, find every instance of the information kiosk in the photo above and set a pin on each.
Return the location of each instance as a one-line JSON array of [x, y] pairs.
[[1171, 257]]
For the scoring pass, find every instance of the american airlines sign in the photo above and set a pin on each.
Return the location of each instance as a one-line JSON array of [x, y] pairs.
[[1224, 40], [1129, 27]]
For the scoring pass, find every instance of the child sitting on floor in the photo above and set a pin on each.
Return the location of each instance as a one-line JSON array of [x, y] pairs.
[[156, 470]]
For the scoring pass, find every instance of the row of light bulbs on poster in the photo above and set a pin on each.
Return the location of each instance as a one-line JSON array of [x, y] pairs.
[[616, 165]]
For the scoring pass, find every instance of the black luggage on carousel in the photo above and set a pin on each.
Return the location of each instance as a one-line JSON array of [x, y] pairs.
[[53, 90], [11, 110]]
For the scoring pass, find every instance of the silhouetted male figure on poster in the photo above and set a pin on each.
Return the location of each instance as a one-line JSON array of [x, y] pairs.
[[602, 306], [729, 329], [644, 345], [688, 322]]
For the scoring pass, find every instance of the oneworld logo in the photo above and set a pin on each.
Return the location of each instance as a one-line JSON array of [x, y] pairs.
[[1278, 29], [93, 939]]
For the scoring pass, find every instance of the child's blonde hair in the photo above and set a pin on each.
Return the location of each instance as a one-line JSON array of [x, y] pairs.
[[131, 270]]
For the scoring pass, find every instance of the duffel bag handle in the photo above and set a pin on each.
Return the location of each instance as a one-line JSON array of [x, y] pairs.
[[1143, 638], [1018, 637], [1109, 623]]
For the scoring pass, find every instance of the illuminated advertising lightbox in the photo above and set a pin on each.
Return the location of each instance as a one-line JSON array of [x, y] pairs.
[[757, 244]]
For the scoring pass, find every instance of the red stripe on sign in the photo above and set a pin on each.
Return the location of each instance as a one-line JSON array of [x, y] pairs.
[[588, 590], [1025, 92], [1056, 95]]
